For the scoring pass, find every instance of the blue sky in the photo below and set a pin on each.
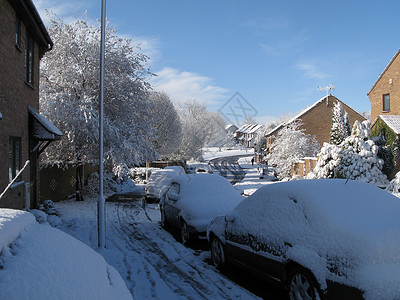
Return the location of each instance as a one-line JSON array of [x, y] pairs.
[[274, 53]]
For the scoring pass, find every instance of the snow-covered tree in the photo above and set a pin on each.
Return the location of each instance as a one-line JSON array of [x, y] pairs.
[[69, 96], [290, 145], [166, 122], [347, 124], [199, 127], [355, 158], [339, 130]]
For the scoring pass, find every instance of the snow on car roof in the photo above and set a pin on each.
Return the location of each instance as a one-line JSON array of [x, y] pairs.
[[206, 194], [350, 205]]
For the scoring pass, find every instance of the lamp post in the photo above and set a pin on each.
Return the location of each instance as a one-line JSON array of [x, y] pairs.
[[101, 203]]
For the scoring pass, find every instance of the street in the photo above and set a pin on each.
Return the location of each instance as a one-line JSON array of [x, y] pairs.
[[151, 261]]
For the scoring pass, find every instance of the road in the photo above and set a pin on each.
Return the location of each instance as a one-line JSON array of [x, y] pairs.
[[229, 167], [151, 261]]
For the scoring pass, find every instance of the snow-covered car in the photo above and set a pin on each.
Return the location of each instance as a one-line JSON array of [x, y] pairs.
[[39, 262], [193, 200], [198, 168], [323, 238], [159, 182]]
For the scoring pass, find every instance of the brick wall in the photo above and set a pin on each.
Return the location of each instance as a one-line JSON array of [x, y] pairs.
[[18, 95], [317, 121], [389, 83]]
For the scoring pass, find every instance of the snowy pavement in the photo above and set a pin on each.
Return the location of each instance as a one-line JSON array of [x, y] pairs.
[[252, 180], [151, 262]]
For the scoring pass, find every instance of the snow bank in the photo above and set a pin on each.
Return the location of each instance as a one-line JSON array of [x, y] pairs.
[[12, 223], [40, 262]]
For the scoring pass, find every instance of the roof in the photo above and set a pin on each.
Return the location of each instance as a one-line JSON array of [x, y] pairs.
[[43, 129], [384, 71], [393, 121], [299, 115], [303, 112], [27, 12], [249, 128]]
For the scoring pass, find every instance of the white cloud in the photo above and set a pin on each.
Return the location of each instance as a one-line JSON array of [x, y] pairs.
[[182, 86], [311, 70], [67, 10]]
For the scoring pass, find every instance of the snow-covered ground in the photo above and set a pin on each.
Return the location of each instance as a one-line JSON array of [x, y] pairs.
[[215, 152], [39, 262], [253, 179], [152, 263]]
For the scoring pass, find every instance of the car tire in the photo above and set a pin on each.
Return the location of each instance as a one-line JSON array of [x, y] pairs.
[[217, 253], [164, 222], [302, 284], [185, 235]]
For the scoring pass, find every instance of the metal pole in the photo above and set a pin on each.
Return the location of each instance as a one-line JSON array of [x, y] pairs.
[[101, 204]]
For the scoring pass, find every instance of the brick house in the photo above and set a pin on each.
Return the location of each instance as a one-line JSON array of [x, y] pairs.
[[385, 107], [385, 93], [23, 131], [317, 120]]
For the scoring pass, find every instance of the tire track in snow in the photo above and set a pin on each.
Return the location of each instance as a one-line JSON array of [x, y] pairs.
[[184, 273]]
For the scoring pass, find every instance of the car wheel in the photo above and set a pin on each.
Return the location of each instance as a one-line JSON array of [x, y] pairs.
[[164, 222], [217, 253], [185, 236], [302, 285]]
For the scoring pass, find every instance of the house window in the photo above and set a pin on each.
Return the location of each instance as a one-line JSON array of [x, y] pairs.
[[386, 102], [29, 60], [14, 156], [18, 33]]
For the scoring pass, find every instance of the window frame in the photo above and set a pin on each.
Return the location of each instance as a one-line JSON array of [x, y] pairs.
[[384, 106], [14, 156], [18, 33], [29, 59]]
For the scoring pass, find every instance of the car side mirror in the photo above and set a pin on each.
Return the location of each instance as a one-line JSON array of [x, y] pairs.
[[173, 196], [230, 216]]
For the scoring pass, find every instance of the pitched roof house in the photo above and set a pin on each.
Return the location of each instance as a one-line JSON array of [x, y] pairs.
[[23, 131], [247, 134], [317, 120], [385, 93], [385, 106]]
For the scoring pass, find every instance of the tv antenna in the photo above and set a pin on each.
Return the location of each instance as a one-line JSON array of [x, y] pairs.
[[328, 89]]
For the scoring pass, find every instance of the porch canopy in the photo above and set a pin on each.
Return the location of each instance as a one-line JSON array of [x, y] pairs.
[[41, 128]]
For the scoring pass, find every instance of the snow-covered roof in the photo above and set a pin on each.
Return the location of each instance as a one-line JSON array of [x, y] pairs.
[[249, 128], [393, 121], [230, 126], [303, 112], [43, 129]]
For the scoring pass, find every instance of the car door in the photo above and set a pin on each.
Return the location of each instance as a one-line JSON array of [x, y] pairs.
[[170, 209], [247, 249]]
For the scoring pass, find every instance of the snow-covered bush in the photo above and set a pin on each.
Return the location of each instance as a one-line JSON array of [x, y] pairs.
[[40, 216], [394, 185], [290, 145], [112, 185], [355, 158]]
